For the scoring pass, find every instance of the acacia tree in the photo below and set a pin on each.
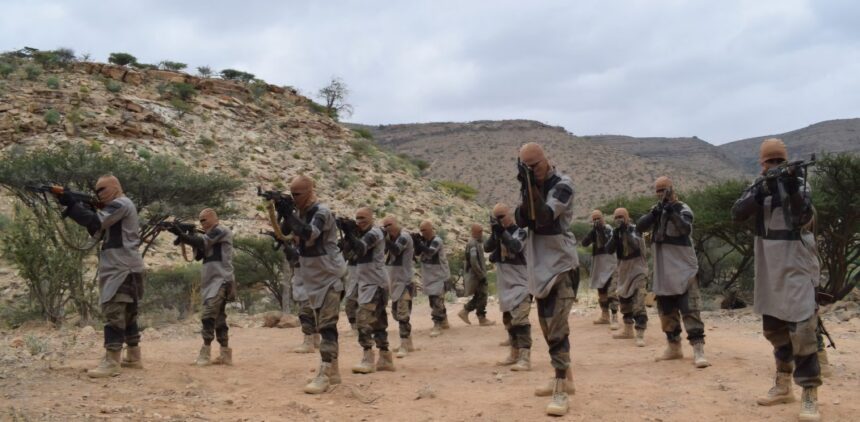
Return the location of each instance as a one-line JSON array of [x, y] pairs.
[[259, 263], [334, 95]]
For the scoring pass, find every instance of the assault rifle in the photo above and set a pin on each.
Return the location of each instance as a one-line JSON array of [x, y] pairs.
[[526, 176], [86, 199], [778, 175]]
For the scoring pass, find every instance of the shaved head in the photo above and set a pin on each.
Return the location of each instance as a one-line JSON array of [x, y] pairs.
[[364, 218], [477, 231], [504, 214], [391, 226], [426, 229], [621, 214], [661, 185]]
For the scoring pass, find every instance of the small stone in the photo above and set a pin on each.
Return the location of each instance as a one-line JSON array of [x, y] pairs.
[[16, 342]]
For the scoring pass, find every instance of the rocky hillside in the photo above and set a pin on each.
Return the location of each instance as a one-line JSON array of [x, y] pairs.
[[483, 154], [828, 136], [691, 155], [261, 134]]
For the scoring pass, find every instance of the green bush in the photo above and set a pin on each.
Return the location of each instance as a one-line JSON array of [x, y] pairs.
[[175, 288], [122, 59], [144, 153], [52, 117], [144, 66], [113, 86], [459, 189], [53, 82], [32, 72], [237, 75], [170, 65], [204, 71], [6, 69], [184, 91], [363, 133], [206, 142], [258, 89], [181, 107], [362, 147]]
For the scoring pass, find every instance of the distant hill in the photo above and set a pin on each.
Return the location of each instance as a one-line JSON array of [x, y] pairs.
[[483, 154], [828, 136]]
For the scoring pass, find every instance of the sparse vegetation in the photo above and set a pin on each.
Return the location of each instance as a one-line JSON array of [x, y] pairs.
[[122, 59], [363, 133], [204, 71], [334, 96], [459, 189], [206, 142], [237, 75], [6, 69], [52, 117], [32, 72], [172, 66], [53, 82], [113, 86]]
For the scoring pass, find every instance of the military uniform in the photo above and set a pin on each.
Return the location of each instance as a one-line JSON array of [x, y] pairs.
[[629, 249], [506, 252], [399, 253], [351, 293], [434, 274], [604, 265], [475, 279]]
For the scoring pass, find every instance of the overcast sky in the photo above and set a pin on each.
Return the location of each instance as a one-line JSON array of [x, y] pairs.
[[721, 70]]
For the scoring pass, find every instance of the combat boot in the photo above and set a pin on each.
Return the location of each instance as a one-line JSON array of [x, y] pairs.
[[809, 405], [307, 345], [464, 315], [640, 338], [824, 363], [409, 347], [627, 333], [506, 343], [225, 357], [366, 364], [320, 383], [317, 341], [445, 325], [333, 373], [699, 356], [402, 351], [603, 319], [673, 351], [132, 358], [524, 362], [436, 331], [511, 359], [613, 321], [203, 356], [385, 361], [484, 322], [780, 392], [108, 367], [560, 402], [547, 390]]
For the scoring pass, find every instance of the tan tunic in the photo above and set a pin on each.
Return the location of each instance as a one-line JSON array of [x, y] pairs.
[[119, 255], [434, 268], [399, 263], [674, 265], [217, 262]]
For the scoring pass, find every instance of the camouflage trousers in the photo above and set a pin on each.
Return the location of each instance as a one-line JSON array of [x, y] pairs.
[[323, 320], [401, 310], [351, 306], [437, 308], [120, 314], [478, 302], [517, 323], [607, 298], [684, 307], [373, 322], [214, 318], [633, 307], [553, 312], [795, 348]]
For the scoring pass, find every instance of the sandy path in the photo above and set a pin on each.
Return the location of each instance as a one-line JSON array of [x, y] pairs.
[[615, 380]]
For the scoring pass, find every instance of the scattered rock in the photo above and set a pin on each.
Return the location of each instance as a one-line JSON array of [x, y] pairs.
[[289, 321], [87, 331], [16, 342], [272, 318], [426, 392]]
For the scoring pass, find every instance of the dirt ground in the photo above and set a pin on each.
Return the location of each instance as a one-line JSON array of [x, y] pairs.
[[615, 380]]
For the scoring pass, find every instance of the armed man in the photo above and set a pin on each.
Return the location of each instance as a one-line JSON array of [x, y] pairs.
[[321, 268], [217, 283], [506, 245], [434, 273], [786, 275], [310, 335], [350, 306], [629, 249], [476, 278], [675, 266], [120, 271], [603, 267], [546, 209], [399, 253], [368, 244]]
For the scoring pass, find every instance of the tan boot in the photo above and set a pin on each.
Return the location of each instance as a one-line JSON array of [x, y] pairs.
[[317, 341], [436, 331], [385, 361], [511, 359], [203, 356], [809, 405], [613, 322], [547, 390], [640, 338], [506, 343], [524, 362], [402, 352], [225, 357], [132, 358], [699, 356], [484, 322], [626, 334], [780, 392], [108, 367], [560, 402], [366, 364], [409, 346], [333, 373], [673, 351], [603, 319], [464, 315], [445, 325], [824, 363], [320, 383], [307, 345]]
